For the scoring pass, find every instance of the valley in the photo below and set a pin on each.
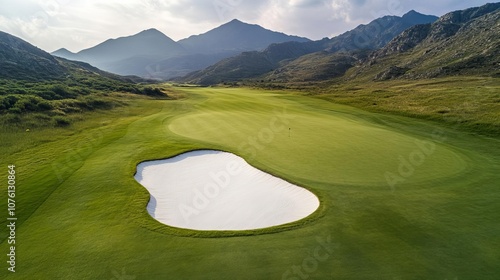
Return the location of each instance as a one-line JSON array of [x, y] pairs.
[[247, 153]]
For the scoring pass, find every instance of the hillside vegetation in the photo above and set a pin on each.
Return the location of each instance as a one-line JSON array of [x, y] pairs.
[[37, 89], [465, 103]]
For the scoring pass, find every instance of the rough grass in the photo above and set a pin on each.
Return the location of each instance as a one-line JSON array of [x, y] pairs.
[[470, 103], [83, 216]]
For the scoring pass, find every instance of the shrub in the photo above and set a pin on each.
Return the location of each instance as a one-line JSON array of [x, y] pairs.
[[156, 92], [7, 102], [27, 103], [93, 102], [61, 121], [48, 95], [32, 103], [44, 106], [11, 118], [15, 110], [63, 91]]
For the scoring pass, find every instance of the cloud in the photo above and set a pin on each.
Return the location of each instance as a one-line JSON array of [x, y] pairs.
[[78, 24], [306, 3]]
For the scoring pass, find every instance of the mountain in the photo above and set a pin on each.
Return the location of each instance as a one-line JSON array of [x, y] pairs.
[[152, 54], [275, 57], [149, 42], [460, 42], [316, 66], [19, 59], [64, 53], [38, 89], [377, 33], [236, 37], [114, 55]]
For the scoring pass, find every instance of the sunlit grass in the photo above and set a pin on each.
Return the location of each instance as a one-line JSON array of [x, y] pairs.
[[83, 216]]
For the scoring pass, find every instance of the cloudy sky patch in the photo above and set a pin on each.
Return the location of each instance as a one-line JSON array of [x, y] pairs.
[[79, 24]]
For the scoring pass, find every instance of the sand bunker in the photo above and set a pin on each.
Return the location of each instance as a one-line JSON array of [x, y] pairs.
[[213, 190]]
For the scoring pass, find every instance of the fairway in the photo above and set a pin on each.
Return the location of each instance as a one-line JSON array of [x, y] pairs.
[[332, 147], [400, 198]]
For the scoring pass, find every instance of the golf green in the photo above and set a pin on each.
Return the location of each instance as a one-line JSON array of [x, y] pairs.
[[401, 198], [330, 146]]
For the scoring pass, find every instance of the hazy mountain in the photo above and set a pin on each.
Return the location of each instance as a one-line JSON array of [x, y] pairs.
[[460, 42], [21, 60], [364, 37], [114, 55], [152, 54], [64, 53], [236, 36], [38, 89], [179, 66]]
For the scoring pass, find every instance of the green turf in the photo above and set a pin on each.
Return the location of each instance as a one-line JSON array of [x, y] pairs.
[[336, 147], [82, 215]]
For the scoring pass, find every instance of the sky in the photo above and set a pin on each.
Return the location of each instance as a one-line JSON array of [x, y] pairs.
[[80, 24]]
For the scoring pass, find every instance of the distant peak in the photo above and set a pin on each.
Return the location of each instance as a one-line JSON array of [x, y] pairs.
[[150, 31], [412, 12], [62, 51], [236, 21], [418, 18]]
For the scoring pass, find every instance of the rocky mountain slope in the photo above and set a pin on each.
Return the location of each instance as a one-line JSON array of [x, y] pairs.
[[461, 42], [365, 37]]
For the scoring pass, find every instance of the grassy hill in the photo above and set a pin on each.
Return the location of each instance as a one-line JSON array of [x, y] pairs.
[[318, 66], [21, 60], [37, 89]]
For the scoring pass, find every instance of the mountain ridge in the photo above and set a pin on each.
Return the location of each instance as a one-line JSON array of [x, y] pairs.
[[38, 89], [370, 36], [244, 37], [152, 54], [20, 58], [147, 42], [459, 42]]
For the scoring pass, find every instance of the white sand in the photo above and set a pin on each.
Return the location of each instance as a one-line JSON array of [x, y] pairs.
[[213, 190]]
